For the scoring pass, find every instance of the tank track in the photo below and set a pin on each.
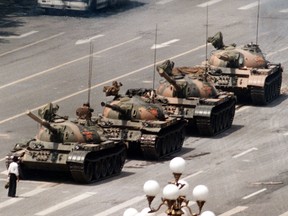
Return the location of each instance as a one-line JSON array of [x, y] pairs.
[[95, 167], [221, 119], [271, 90], [169, 141]]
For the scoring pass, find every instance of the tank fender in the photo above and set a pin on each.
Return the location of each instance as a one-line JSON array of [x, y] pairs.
[[258, 81], [203, 111], [77, 156]]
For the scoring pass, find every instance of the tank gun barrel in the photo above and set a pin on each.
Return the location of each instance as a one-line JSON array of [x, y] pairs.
[[42, 122], [163, 74], [114, 107]]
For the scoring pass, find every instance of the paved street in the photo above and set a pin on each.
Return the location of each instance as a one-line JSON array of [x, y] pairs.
[[45, 58]]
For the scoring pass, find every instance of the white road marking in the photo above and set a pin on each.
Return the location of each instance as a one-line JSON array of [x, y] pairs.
[[32, 44], [234, 211], [22, 196], [284, 11], [5, 172], [284, 214], [165, 44], [65, 203], [254, 194], [66, 63], [83, 41], [285, 134], [192, 175], [281, 50], [208, 3], [164, 2], [251, 5], [121, 206], [95, 86], [18, 36], [245, 152]]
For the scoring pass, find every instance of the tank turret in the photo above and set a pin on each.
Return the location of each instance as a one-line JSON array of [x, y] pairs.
[[75, 147], [42, 122], [245, 71], [183, 86], [133, 108]]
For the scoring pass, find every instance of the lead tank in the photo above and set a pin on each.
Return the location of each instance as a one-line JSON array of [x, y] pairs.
[[79, 148], [143, 126], [245, 71], [191, 95]]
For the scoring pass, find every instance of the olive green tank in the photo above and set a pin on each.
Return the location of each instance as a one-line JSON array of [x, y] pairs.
[[80, 148], [143, 126], [189, 94], [245, 71]]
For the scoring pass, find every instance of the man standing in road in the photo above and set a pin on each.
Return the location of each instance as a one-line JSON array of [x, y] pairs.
[[13, 173]]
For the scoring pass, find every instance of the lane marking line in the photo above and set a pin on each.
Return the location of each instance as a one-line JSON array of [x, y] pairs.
[[65, 203], [121, 206], [165, 44], [18, 36], [284, 11], [22, 196], [254, 194], [192, 175], [31, 44], [83, 41], [100, 84], [164, 2], [234, 210], [67, 63], [245, 152], [284, 214], [251, 5], [208, 3]]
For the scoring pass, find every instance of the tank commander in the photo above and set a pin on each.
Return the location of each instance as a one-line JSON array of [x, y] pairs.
[[85, 112], [112, 90]]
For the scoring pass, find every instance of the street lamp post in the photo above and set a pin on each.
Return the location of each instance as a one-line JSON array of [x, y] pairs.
[[174, 195]]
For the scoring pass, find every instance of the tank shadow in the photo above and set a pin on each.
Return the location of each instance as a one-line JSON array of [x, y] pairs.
[[227, 132]]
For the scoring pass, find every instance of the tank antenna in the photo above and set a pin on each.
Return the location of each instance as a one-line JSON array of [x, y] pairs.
[[206, 43], [257, 27], [90, 70], [155, 56]]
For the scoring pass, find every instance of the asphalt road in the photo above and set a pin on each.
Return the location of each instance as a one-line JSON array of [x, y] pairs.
[[45, 58]]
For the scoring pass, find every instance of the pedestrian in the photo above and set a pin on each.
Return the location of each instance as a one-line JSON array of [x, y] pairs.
[[13, 174]]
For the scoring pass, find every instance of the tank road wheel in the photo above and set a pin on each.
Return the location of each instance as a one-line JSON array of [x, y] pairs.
[[110, 166], [164, 147], [115, 164], [120, 160], [88, 171], [213, 125], [158, 147], [97, 170], [92, 5], [113, 3], [104, 169]]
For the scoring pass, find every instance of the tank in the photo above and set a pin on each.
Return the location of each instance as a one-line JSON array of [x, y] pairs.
[[143, 125], [78, 147], [191, 95], [245, 71]]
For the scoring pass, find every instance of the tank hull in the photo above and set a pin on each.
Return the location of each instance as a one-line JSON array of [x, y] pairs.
[[151, 139], [86, 163], [209, 116], [257, 86]]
